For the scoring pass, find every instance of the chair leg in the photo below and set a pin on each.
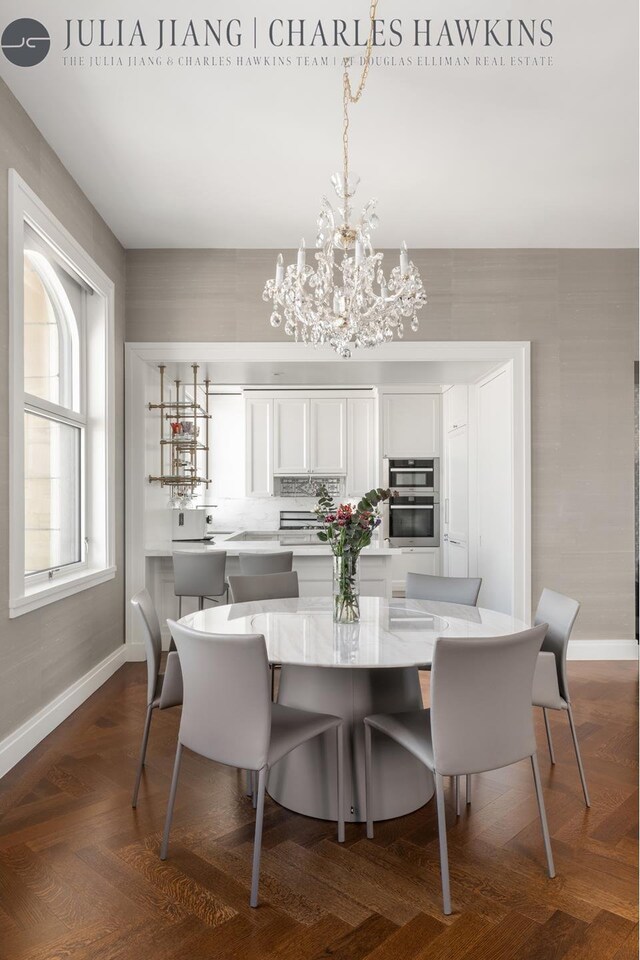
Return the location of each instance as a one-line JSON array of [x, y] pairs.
[[368, 789], [552, 755], [257, 843], [179, 608], [254, 791], [340, 779], [442, 835], [468, 780], [543, 815], [273, 683], [574, 735], [143, 754], [456, 792], [172, 799], [249, 783]]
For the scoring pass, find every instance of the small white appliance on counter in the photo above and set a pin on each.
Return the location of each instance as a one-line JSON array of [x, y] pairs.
[[191, 524]]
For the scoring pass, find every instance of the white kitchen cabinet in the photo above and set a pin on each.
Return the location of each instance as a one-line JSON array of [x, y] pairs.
[[259, 447], [457, 558], [328, 436], [413, 560], [291, 436], [456, 404], [361, 448], [411, 425]]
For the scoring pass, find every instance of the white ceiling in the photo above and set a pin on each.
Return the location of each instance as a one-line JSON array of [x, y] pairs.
[[458, 157], [339, 373]]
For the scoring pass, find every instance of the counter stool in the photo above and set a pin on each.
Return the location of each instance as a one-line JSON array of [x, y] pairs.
[[201, 575]]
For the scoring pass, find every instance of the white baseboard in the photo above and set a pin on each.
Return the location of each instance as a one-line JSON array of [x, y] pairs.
[[19, 743], [135, 652], [602, 650]]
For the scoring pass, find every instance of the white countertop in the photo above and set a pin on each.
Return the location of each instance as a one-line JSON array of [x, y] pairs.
[[391, 633], [233, 548]]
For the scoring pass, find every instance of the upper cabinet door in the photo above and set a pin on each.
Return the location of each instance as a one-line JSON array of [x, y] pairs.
[[411, 425], [328, 436], [457, 407], [361, 448], [291, 436], [259, 441]]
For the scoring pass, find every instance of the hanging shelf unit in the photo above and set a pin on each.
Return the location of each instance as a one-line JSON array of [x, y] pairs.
[[184, 436]]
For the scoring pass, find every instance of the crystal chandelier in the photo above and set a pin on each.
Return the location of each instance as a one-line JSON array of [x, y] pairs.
[[345, 300]]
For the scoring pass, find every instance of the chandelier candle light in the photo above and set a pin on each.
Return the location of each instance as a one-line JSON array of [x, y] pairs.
[[346, 301]]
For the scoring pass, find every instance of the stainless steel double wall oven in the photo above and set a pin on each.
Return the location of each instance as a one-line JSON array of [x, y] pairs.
[[412, 515]]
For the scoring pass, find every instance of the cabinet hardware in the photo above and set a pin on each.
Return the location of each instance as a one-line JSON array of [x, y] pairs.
[[458, 543], [418, 506]]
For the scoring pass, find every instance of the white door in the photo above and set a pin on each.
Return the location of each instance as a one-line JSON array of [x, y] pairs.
[[495, 494], [291, 436], [361, 446], [328, 436], [457, 402], [411, 425], [456, 503], [457, 559], [259, 448]]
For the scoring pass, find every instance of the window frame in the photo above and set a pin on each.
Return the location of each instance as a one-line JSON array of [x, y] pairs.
[[95, 415]]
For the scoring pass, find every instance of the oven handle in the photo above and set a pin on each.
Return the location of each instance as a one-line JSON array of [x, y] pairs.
[[411, 469], [418, 506]]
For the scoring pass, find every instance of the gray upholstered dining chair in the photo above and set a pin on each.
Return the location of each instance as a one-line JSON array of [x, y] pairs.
[[228, 717], [424, 586], [267, 586], [480, 719], [465, 590], [163, 689], [252, 564], [199, 574], [550, 684]]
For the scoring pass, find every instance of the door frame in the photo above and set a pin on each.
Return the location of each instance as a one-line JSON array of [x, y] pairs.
[[515, 355]]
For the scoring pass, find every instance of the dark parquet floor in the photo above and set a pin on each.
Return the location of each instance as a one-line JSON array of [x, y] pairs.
[[80, 877]]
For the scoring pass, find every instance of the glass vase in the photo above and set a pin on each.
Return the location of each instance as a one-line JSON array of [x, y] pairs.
[[346, 588]]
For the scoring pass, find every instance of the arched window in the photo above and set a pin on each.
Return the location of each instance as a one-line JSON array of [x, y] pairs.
[[51, 335], [62, 463], [54, 419]]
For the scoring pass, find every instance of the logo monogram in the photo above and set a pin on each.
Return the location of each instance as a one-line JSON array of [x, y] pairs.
[[25, 42]]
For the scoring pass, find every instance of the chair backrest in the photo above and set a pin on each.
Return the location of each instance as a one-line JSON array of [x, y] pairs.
[[252, 564], [423, 586], [226, 712], [269, 586], [560, 613], [199, 574], [143, 603], [481, 691]]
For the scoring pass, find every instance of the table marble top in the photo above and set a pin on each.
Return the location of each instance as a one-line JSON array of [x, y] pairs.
[[390, 633]]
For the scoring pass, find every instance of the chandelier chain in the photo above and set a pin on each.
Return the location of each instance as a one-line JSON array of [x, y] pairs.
[[350, 97]]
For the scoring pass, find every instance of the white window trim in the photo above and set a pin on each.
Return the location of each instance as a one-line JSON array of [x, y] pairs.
[[24, 205]]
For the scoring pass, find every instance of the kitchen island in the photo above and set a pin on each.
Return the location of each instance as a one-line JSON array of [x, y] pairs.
[[312, 560]]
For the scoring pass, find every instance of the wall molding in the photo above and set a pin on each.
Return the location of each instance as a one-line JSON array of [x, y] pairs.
[[23, 740], [603, 650]]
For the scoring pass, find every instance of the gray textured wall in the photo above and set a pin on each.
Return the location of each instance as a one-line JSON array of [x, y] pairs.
[[44, 652], [579, 310]]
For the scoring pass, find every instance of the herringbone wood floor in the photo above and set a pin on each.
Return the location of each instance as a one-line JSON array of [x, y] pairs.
[[80, 877]]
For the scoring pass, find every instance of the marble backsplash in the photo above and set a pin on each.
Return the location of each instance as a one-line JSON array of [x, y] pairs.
[[248, 513]]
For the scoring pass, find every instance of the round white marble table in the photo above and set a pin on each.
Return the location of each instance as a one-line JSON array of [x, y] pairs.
[[351, 671]]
